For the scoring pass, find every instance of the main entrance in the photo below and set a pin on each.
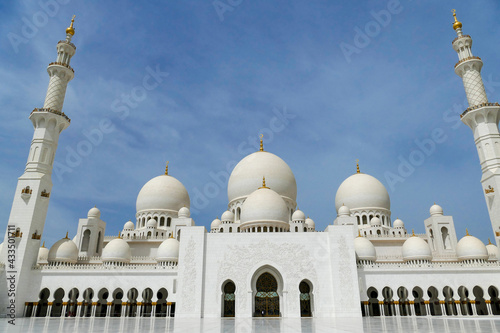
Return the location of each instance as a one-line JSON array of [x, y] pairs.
[[267, 300]]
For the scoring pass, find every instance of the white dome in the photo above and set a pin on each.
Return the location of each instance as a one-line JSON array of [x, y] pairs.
[[469, 248], [298, 215], [364, 249], [152, 223], [215, 224], [415, 248], [168, 250], [64, 250], [398, 224], [436, 210], [162, 193], [375, 222], [493, 253], [43, 253], [247, 176], [362, 191], [94, 213], [129, 226], [227, 216], [310, 223], [264, 205], [117, 250], [344, 211], [184, 212]]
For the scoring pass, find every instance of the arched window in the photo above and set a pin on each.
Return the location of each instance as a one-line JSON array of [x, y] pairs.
[[162, 221], [364, 219], [229, 299], [85, 240], [238, 214], [305, 299], [169, 219], [98, 245]]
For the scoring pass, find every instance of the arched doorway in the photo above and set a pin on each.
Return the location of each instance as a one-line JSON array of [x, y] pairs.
[[305, 299], [229, 299], [267, 301]]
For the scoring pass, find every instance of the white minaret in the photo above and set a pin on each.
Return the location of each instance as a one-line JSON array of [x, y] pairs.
[[31, 199], [482, 117]]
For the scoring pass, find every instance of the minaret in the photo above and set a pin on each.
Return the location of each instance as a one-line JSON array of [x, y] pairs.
[[482, 117], [31, 199]]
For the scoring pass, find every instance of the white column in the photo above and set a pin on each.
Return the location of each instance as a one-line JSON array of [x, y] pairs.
[[474, 310]]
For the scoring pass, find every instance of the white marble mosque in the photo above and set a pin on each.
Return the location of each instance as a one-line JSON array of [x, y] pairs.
[[163, 265]]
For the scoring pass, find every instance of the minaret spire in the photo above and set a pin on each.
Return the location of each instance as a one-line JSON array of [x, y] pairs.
[[482, 117]]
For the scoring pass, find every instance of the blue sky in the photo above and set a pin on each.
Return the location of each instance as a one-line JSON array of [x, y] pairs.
[[232, 67]]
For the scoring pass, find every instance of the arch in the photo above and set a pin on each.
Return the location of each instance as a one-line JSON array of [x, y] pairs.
[[373, 305], [161, 303], [57, 304], [71, 309], [169, 221], [480, 302], [418, 301], [98, 245], [179, 235], [131, 310], [230, 229], [434, 305], [432, 243], [147, 303], [102, 303], [364, 219], [388, 301], [446, 238], [43, 303], [85, 240], [162, 221], [465, 306], [296, 229], [495, 301], [305, 289], [86, 310], [116, 304], [238, 213], [450, 307], [228, 299], [267, 292], [404, 303]]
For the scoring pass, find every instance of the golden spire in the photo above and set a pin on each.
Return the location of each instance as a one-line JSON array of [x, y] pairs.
[[166, 169], [359, 233], [456, 24], [66, 235], [119, 236], [172, 235], [43, 245], [466, 232], [263, 183], [357, 166], [261, 143], [70, 30], [489, 241], [412, 233]]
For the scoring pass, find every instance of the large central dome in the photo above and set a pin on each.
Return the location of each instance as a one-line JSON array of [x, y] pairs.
[[247, 176]]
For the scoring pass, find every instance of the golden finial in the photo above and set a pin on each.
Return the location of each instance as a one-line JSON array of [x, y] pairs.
[[357, 166], [66, 235], [263, 183], [70, 30], [172, 235], [359, 233], [261, 143], [119, 236], [166, 169], [43, 245], [412, 232], [466, 232], [456, 24], [489, 241]]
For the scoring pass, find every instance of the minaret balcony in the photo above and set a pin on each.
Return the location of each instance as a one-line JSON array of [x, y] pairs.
[[59, 113], [55, 63], [463, 36], [467, 59], [475, 107], [26, 192], [66, 42]]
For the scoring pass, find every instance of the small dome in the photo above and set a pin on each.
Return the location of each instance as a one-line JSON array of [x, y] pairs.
[[310, 223], [398, 224], [152, 223], [43, 253], [64, 250], [375, 222], [415, 248], [162, 193], [344, 211], [215, 224], [117, 250], [364, 249], [129, 226], [493, 253], [227, 216], [470, 248], [168, 250], [264, 205], [94, 213], [436, 210], [362, 191], [298, 215], [184, 212]]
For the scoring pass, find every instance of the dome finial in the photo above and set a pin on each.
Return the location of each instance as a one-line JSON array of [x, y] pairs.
[[412, 233], [263, 183], [357, 166], [43, 245], [166, 169], [359, 233], [466, 232], [261, 143], [66, 235], [456, 24], [489, 241], [70, 30], [119, 235]]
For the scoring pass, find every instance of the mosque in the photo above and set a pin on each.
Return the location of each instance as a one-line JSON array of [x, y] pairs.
[[164, 265]]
